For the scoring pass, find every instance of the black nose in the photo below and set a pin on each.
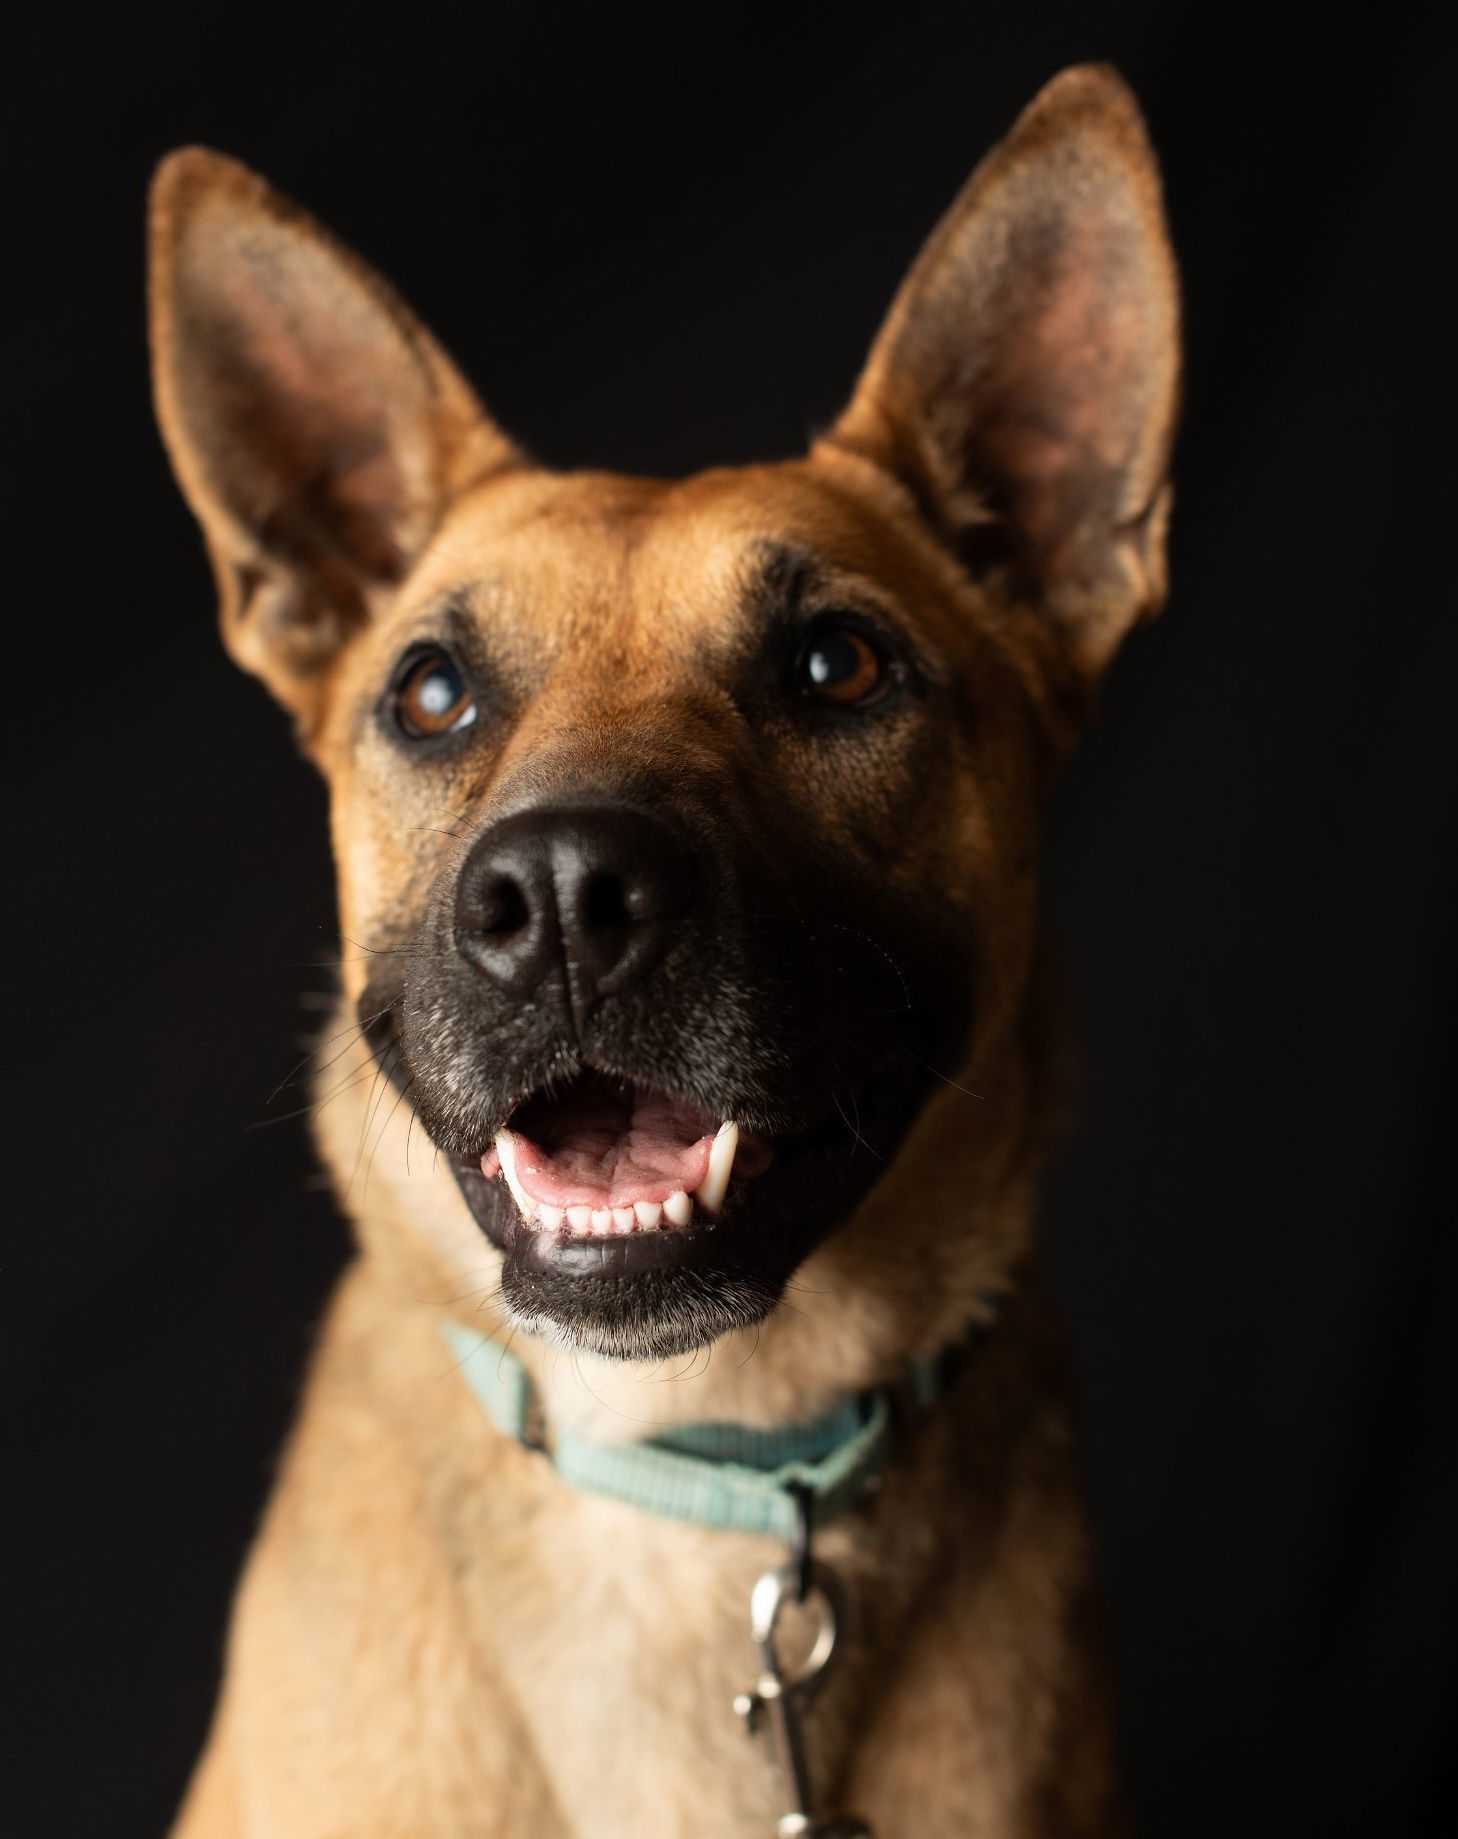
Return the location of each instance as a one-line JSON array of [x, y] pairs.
[[573, 901]]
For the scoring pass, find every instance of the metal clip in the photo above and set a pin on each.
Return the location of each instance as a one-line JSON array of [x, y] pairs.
[[778, 1692]]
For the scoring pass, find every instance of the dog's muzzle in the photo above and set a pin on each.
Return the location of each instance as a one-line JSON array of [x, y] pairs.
[[661, 1074]]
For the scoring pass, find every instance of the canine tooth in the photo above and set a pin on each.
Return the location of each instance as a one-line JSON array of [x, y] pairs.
[[678, 1209], [648, 1212], [715, 1185], [550, 1218], [602, 1219], [579, 1218], [624, 1219], [506, 1149]]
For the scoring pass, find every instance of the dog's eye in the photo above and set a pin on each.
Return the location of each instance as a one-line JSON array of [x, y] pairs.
[[840, 665], [432, 698]]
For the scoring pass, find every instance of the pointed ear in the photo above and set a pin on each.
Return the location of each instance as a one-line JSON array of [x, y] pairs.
[[1024, 383], [315, 427]]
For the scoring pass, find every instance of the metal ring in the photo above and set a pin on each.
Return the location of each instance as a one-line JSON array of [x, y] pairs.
[[769, 1596]]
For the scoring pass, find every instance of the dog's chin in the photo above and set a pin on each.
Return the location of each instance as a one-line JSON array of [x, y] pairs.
[[639, 1294], [647, 1296], [642, 1296]]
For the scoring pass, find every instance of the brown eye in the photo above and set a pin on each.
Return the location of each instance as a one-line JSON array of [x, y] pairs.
[[432, 698], [838, 665]]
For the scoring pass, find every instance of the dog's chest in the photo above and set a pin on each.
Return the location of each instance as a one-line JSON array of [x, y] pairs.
[[622, 1640], [625, 1640]]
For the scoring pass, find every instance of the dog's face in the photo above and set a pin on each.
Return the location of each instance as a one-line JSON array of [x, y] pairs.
[[688, 827], [718, 849]]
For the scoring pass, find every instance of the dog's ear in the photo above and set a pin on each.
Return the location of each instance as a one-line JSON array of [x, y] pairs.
[[316, 428], [1023, 385]]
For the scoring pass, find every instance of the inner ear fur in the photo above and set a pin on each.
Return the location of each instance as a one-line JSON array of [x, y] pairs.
[[316, 428], [1024, 383]]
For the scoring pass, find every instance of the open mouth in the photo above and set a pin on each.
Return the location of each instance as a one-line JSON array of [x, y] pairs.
[[637, 1223], [603, 1157]]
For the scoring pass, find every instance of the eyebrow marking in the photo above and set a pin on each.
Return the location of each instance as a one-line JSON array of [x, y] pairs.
[[779, 574]]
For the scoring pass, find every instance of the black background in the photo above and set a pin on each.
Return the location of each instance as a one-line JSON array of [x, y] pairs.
[[657, 238]]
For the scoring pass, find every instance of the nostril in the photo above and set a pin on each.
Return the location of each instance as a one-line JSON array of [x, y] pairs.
[[607, 903], [502, 911]]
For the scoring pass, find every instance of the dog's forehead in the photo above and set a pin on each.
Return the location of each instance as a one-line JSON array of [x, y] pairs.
[[648, 565]]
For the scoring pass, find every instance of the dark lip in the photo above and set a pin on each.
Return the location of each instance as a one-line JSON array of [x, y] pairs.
[[619, 1255]]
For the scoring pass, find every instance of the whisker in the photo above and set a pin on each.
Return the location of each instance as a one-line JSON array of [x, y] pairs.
[[758, 1330], [315, 1105], [876, 946], [946, 1079], [350, 1029], [380, 1136], [372, 1105], [409, 1126]]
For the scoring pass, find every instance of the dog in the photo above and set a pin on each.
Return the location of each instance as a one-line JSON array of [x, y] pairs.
[[694, 1074]]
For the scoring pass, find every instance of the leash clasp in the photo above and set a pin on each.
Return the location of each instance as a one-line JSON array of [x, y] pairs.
[[780, 1691]]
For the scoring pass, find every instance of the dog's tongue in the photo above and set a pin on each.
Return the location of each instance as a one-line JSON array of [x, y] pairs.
[[608, 1145]]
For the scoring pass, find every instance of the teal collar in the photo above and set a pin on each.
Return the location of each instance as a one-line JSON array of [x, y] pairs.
[[722, 1475]]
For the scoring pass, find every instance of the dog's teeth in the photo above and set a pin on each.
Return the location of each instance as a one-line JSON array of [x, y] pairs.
[[602, 1219], [648, 1213], [506, 1149], [550, 1218], [579, 1218], [715, 1185], [678, 1209], [624, 1219]]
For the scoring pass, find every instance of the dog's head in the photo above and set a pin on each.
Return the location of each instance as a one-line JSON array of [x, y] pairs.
[[688, 827]]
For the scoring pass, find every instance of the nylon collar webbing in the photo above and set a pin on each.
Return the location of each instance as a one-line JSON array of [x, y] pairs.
[[728, 1476]]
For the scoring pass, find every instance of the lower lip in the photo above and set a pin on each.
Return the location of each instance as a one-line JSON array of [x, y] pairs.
[[606, 1255]]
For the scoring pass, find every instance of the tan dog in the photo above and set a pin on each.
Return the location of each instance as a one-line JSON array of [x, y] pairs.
[[661, 807]]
